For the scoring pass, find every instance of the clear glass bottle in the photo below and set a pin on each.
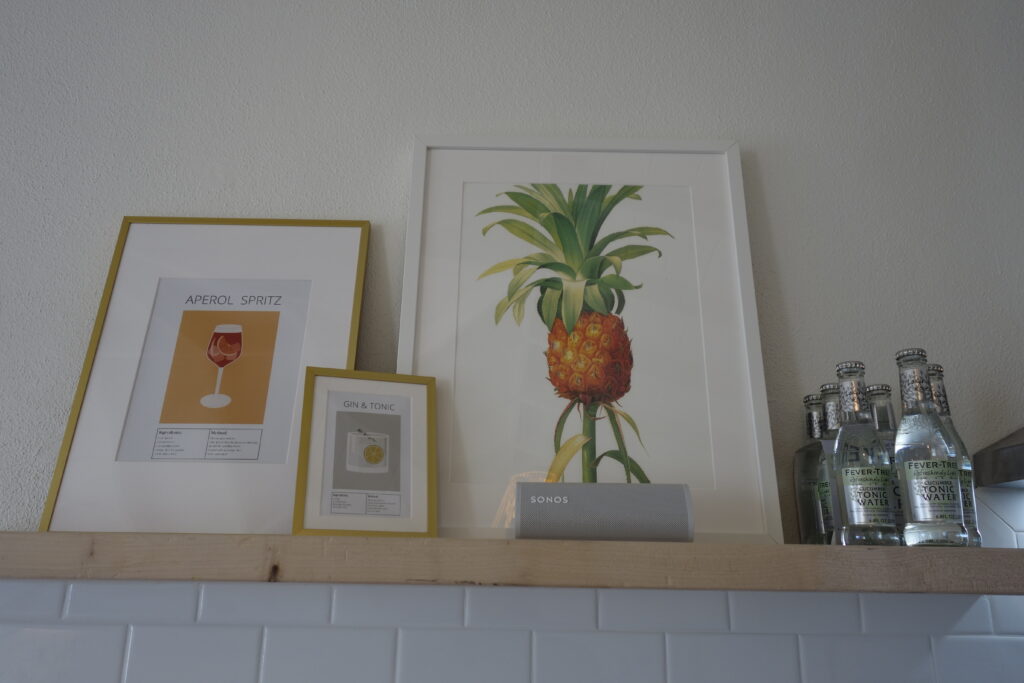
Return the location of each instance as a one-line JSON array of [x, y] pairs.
[[861, 468], [826, 490], [830, 406], [929, 471], [936, 378], [814, 522], [884, 418]]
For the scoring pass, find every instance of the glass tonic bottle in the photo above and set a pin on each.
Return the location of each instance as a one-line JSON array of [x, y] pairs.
[[826, 490], [884, 418], [815, 523], [936, 378], [861, 468], [929, 471], [830, 406]]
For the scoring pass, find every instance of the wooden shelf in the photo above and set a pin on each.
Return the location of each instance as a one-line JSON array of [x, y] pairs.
[[596, 564]]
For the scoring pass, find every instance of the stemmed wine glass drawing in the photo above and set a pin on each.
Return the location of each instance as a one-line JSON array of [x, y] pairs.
[[224, 348]]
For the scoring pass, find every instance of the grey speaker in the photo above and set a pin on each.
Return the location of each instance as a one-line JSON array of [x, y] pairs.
[[609, 512]]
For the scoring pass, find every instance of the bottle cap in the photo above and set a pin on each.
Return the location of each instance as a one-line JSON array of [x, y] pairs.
[[905, 353], [812, 398], [829, 388], [849, 365], [879, 389], [935, 369]]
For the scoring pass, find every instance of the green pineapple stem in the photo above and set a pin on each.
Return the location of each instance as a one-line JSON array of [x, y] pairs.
[[589, 451], [619, 441], [560, 425]]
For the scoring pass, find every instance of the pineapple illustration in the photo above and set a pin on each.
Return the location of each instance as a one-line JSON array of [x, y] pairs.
[[580, 295]]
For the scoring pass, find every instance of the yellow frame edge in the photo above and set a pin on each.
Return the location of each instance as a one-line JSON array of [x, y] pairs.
[[97, 330], [302, 471]]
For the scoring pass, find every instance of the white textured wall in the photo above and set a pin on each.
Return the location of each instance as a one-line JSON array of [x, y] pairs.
[[883, 161]]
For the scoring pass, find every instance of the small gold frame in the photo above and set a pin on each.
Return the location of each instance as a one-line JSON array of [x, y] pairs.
[[420, 455]]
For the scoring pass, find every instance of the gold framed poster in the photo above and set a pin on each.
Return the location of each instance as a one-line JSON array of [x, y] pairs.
[[367, 463], [186, 414]]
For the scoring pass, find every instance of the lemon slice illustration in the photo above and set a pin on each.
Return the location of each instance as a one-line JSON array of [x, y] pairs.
[[373, 454]]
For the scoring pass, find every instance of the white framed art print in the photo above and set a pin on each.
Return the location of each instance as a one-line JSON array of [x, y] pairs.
[[588, 311]]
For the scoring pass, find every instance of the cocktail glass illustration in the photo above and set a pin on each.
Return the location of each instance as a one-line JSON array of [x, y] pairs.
[[224, 348]]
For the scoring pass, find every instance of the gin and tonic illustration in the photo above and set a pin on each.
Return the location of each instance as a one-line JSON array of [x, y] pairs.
[[224, 348], [367, 452]]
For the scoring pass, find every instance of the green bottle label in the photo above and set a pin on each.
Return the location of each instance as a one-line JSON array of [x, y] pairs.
[[934, 490], [967, 497], [867, 495], [824, 507]]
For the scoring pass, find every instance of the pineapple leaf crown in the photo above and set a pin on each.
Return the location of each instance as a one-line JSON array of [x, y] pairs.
[[574, 273]]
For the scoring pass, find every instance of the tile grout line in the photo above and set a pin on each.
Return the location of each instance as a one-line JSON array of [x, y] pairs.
[[991, 614], [129, 635], [533, 658], [728, 611], [199, 601], [666, 659], [65, 603], [261, 658], [397, 659], [800, 656], [931, 658]]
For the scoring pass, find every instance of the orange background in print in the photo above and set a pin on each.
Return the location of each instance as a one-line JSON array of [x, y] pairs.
[[193, 375]]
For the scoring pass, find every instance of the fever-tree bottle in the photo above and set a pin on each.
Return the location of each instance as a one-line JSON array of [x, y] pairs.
[[815, 524], [861, 468], [936, 378], [884, 418], [929, 471], [830, 407], [825, 514]]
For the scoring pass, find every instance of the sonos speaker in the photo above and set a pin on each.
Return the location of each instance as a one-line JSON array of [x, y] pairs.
[[608, 512]]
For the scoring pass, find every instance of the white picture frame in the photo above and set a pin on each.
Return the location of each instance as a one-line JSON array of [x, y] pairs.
[[704, 413], [186, 416]]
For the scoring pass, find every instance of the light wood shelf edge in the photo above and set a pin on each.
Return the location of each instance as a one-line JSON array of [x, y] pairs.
[[592, 564]]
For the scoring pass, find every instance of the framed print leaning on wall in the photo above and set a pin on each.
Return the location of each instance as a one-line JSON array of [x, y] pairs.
[[186, 417], [366, 457], [588, 311]]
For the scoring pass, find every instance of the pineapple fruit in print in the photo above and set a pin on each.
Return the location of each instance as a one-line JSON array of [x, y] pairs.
[[594, 362], [575, 280]]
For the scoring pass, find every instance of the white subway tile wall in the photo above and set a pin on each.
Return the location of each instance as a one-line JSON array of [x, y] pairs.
[[605, 657], [196, 653], [973, 658], [130, 602], [721, 658], [256, 603], [151, 632], [452, 655], [562, 609], [658, 610], [879, 659], [1001, 516], [922, 614], [776, 612], [995, 532], [318, 653]]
